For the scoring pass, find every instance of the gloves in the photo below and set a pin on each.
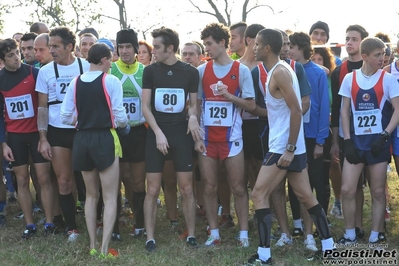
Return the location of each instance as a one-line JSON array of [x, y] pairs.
[[123, 131], [351, 153], [377, 145]]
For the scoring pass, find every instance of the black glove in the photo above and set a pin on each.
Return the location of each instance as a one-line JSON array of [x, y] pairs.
[[123, 131], [351, 153], [377, 145]]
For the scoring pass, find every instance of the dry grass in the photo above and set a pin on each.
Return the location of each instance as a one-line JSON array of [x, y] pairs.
[[55, 250]]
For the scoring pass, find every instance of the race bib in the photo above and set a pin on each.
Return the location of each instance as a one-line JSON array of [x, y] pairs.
[[169, 100], [219, 114], [367, 122], [62, 84], [19, 107], [133, 108]]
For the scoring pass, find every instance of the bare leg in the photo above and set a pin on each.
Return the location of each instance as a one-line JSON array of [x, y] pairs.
[[185, 181], [92, 183], [109, 184], [150, 202]]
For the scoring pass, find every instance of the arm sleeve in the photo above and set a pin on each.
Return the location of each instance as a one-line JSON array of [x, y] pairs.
[[324, 123], [115, 91]]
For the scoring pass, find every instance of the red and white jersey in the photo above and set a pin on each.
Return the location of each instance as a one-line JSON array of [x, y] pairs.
[[221, 119]]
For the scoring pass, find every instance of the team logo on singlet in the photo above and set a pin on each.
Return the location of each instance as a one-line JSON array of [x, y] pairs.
[[366, 97], [233, 77], [170, 73]]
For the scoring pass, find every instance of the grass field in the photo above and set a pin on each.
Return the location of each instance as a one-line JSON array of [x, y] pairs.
[[55, 250]]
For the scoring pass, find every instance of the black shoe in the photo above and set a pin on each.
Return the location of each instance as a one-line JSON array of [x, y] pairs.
[[254, 260], [297, 233], [150, 246], [359, 233], [49, 229], [116, 237], [28, 232], [9, 167], [346, 241], [192, 241], [381, 238]]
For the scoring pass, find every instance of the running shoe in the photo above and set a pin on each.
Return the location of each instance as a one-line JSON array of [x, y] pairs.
[[213, 241], [254, 260], [297, 233], [345, 240], [310, 244], [19, 216], [191, 241], [49, 229], [79, 207], [116, 237], [244, 242], [73, 235], [284, 240], [387, 214], [28, 232], [336, 211], [112, 253], [150, 246]]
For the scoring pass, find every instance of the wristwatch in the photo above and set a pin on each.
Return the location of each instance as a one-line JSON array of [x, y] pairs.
[[290, 147]]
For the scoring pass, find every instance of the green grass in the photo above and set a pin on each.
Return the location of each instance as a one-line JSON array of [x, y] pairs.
[[55, 250]]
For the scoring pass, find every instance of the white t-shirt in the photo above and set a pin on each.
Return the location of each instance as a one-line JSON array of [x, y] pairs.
[[55, 89]]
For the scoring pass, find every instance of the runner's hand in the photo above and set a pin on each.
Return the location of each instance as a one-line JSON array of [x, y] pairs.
[[194, 128], [162, 143], [45, 149], [285, 159], [7, 153]]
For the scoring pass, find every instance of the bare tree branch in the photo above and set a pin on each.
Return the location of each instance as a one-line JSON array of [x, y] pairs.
[[217, 13]]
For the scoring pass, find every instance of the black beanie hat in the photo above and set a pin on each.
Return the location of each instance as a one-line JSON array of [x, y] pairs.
[[127, 36], [320, 25]]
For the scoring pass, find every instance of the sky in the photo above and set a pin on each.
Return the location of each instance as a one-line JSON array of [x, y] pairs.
[[288, 14]]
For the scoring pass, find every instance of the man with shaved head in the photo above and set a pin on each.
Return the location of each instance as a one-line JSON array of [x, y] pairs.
[[39, 28], [42, 50]]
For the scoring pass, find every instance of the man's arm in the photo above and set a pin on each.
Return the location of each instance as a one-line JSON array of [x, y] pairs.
[[345, 116], [193, 125]]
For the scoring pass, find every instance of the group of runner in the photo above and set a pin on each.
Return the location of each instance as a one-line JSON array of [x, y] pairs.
[[249, 106]]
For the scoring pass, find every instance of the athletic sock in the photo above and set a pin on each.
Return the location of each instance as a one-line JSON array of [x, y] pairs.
[[350, 233], [67, 204], [264, 219], [298, 224], [243, 234], [215, 233], [373, 236], [264, 253]]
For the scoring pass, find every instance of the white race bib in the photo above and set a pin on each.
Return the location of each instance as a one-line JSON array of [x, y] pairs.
[[133, 108], [62, 84], [367, 122], [169, 100], [19, 107], [219, 114]]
